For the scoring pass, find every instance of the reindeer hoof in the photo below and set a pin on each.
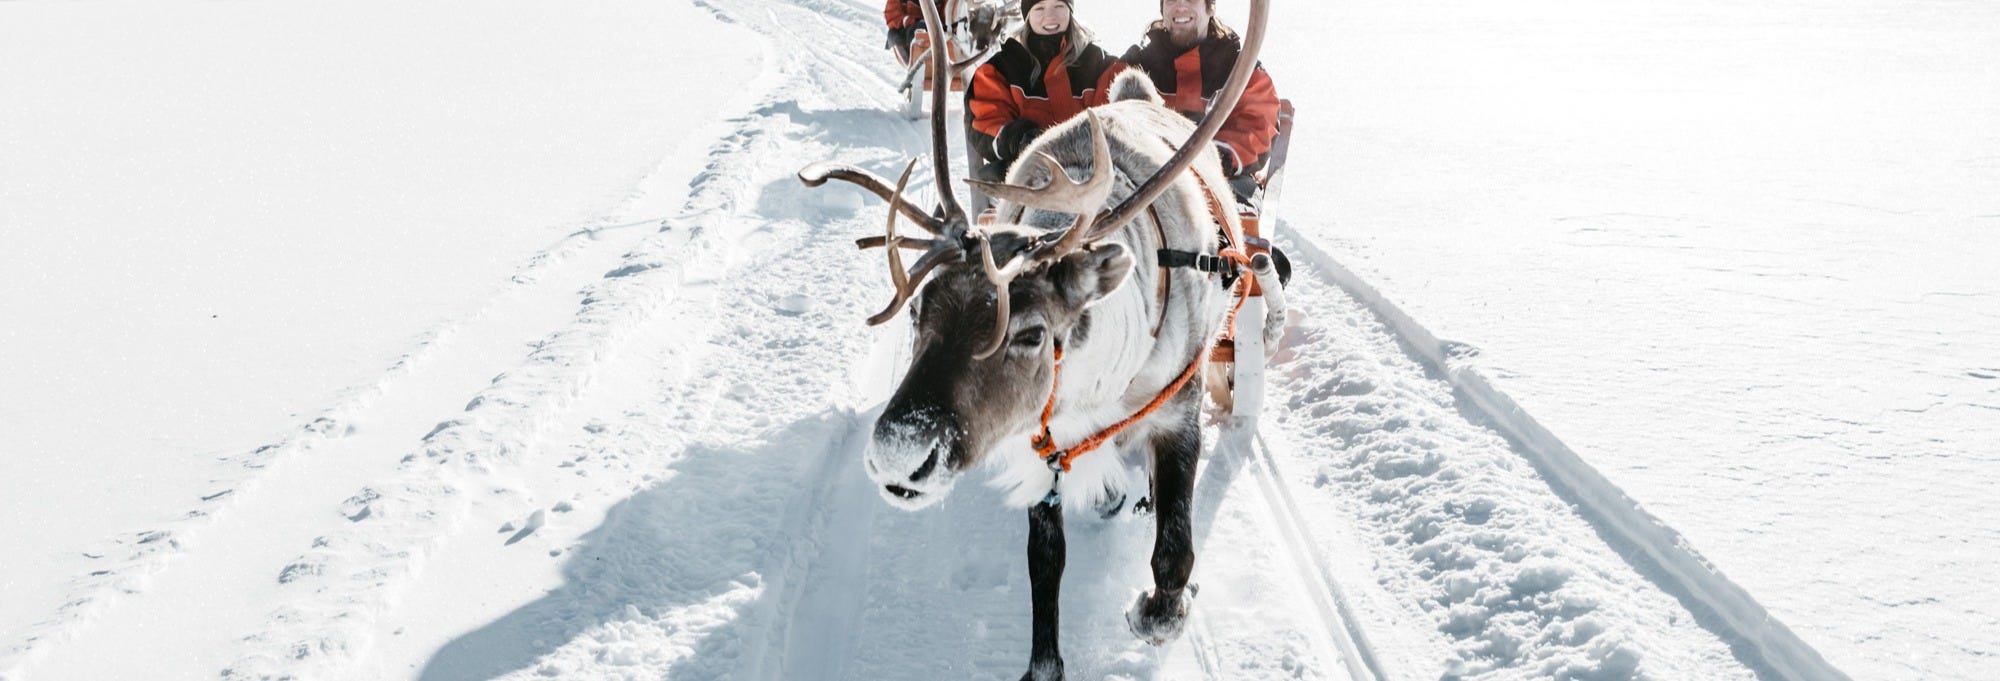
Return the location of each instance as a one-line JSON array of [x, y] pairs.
[[1159, 620], [1044, 671]]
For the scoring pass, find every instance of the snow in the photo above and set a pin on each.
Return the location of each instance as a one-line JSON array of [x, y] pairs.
[[1738, 257], [237, 217], [444, 340]]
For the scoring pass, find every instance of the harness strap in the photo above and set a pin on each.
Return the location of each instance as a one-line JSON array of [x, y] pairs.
[[1166, 280], [1202, 262]]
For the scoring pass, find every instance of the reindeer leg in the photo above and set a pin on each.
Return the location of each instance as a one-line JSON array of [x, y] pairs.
[[1046, 556], [1158, 616]]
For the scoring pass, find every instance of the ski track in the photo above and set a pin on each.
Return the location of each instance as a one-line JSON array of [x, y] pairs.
[[686, 401], [129, 563]]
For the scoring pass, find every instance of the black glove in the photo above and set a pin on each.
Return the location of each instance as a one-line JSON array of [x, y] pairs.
[[1229, 168], [1015, 137]]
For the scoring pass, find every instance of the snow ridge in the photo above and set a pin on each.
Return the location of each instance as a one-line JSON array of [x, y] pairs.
[[1648, 544]]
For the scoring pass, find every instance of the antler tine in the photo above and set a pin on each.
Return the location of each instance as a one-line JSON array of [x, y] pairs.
[[1101, 172], [905, 243], [896, 272], [940, 82], [1038, 197], [1224, 104], [1062, 194], [1001, 278], [906, 282], [925, 263], [818, 173]]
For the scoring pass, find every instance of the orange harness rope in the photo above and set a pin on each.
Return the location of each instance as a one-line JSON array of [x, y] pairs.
[[1059, 458]]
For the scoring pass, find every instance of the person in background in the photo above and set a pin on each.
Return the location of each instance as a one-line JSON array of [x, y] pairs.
[[1049, 71], [904, 18], [1188, 54]]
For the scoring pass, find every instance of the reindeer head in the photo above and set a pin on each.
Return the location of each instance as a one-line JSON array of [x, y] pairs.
[[986, 21], [987, 325]]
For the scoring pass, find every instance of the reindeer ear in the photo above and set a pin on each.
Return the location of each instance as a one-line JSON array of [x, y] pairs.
[[1093, 272]]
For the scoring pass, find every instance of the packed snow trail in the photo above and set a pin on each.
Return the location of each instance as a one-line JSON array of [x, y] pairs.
[[806, 601]]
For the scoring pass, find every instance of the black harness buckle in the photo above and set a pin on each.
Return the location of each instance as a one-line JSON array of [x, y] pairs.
[[1201, 262]]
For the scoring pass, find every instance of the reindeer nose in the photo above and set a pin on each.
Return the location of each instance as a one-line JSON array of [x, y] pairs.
[[917, 477], [929, 467], [911, 458]]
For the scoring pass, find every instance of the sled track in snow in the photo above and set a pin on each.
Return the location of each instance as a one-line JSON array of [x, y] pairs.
[[1339, 629], [1658, 551], [1330, 603]]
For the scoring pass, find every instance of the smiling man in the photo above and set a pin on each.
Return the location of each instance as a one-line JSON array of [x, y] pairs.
[[1189, 54]]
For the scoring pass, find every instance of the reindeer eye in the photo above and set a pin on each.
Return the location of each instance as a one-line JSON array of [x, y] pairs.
[[1030, 337]]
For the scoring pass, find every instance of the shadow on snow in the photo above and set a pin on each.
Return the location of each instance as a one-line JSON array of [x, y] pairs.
[[778, 555]]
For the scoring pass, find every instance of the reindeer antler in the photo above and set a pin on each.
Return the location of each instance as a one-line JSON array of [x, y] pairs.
[[1001, 277], [940, 150], [1062, 194], [906, 282], [818, 173], [948, 223]]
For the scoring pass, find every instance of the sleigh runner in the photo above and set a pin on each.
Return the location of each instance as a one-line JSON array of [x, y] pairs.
[[1260, 325]]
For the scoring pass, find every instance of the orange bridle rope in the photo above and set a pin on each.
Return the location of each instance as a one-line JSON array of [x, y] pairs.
[[1060, 458]]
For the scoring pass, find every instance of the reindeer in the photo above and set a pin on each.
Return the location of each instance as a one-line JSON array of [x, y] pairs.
[[1062, 325], [975, 32], [986, 21]]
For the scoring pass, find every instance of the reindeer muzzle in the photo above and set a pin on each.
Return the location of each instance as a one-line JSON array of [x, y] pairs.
[[913, 456]]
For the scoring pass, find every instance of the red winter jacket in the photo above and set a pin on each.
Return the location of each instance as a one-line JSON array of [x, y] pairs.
[[1188, 79], [901, 13], [1014, 85]]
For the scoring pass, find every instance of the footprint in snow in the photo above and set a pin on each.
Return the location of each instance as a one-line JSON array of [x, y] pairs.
[[794, 305]]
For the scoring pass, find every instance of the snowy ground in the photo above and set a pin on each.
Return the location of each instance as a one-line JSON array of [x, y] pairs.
[[1739, 256], [507, 346]]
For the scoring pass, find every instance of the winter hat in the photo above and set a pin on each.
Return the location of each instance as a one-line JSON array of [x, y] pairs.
[[1030, 4]]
